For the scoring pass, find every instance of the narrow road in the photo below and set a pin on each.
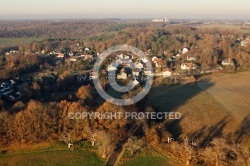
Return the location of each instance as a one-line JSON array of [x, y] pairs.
[[113, 158]]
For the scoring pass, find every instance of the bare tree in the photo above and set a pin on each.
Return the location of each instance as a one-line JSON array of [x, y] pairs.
[[92, 135], [188, 152], [105, 143], [101, 140], [67, 139]]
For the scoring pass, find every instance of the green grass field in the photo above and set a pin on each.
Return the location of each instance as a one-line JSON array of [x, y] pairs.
[[16, 41], [79, 157], [147, 161], [53, 153]]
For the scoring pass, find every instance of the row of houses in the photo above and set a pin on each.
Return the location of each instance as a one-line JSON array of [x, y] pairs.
[[12, 52]]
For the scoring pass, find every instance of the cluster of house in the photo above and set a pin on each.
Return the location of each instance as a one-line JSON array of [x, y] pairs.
[[7, 91], [126, 62], [159, 63], [138, 67], [125, 65], [190, 64], [82, 53], [73, 56], [12, 52]]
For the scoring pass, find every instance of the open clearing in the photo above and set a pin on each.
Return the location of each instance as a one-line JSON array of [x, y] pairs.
[[16, 41], [217, 105]]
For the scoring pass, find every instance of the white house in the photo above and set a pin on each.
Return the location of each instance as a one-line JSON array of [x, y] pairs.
[[158, 62], [188, 66], [184, 51], [191, 58], [227, 62], [166, 72]]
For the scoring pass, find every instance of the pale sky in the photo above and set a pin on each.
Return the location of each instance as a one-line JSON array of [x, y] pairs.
[[46, 9]]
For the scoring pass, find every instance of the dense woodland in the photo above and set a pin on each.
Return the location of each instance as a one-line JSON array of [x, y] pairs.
[[32, 120]]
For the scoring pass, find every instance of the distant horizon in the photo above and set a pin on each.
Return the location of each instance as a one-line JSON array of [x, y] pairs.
[[106, 18], [98, 9]]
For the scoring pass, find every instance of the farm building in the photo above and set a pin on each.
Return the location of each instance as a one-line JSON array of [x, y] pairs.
[[227, 62], [188, 66]]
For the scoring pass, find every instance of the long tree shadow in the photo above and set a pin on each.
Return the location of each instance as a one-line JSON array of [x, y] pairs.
[[243, 129], [175, 128], [169, 98], [207, 134]]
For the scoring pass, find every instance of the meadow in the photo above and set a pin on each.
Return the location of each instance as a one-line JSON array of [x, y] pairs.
[[217, 105], [54, 153]]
